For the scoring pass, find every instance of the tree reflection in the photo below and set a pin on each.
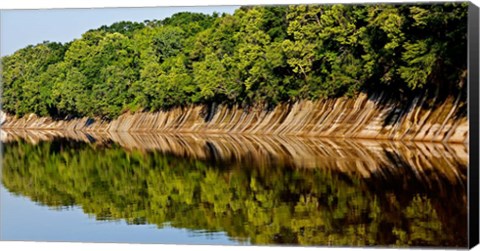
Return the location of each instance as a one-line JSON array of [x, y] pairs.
[[258, 204]]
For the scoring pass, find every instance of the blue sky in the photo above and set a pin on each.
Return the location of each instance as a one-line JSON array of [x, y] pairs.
[[20, 28]]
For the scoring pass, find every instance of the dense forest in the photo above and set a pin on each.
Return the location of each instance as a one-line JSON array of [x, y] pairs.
[[258, 57], [260, 204]]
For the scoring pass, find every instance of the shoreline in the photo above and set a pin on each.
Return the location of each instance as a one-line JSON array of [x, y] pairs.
[[342, 118], [297, 151], [63, 133]]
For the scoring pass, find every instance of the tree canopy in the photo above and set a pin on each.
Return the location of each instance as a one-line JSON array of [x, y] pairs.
[[258, 56]]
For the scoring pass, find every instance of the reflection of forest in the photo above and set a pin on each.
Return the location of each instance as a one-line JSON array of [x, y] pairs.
[[264, 190]]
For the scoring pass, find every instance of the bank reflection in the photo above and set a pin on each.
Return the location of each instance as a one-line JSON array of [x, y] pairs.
[[261, 190]]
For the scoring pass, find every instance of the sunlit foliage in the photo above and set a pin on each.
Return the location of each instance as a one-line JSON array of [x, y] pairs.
[[259, 56]]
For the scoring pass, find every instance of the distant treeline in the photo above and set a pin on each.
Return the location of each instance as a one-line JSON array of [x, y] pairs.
[[259, 56]]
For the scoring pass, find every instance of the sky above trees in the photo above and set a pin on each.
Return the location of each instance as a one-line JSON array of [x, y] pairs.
[[20, 28]]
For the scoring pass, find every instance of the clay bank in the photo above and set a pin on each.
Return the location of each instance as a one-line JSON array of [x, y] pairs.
[[368, 117]]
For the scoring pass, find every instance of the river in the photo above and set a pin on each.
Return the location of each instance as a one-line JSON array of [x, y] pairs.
[[231, 189]]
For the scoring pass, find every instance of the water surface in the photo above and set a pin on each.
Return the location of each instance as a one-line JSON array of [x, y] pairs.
[[227, 189]]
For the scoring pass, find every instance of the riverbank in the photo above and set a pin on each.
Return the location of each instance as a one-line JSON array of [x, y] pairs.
[[363, 117]]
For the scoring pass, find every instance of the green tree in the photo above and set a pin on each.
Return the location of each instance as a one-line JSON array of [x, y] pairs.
[[26, 84], [259, 56]]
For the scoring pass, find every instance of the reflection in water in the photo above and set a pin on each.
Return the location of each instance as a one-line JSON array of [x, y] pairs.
[[263, 190]]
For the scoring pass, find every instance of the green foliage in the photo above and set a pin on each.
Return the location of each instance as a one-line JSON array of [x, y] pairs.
[[210, 77], [420, 62], [259, 56], [124, 27], [261, 203], [168, 42], [25, 79]]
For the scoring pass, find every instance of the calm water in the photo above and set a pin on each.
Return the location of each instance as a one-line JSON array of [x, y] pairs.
[[207, 189]]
